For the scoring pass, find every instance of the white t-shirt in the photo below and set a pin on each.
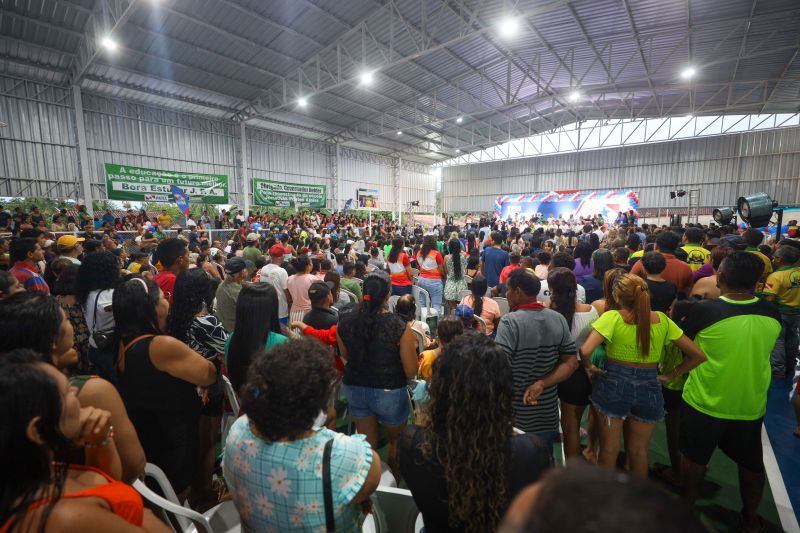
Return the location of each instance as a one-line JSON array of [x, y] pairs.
[[544, 294], [278, 278], [105, 319]]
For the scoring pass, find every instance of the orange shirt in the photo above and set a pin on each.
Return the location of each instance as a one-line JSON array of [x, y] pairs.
[[506, 271], [429, 266], [397, 271]]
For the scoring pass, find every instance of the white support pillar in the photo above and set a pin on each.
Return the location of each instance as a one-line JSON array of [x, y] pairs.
[[244, 175], [338, 162], [398, 206], [83, 153]]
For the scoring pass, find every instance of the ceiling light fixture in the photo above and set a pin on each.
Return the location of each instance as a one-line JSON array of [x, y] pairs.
[[367, 78], [574, 96], [302, 101], [688, 73], [399, 132], [509, 26], [459, 120], [108, 43], [458, 150]]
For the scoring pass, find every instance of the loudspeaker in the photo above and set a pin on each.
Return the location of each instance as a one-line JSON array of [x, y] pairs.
[[675, 220]]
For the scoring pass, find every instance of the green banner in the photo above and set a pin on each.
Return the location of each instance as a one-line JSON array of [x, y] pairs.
[[283, 194], [124, 182]]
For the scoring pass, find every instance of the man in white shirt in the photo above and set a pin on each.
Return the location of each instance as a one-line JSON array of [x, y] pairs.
[[277, 276]]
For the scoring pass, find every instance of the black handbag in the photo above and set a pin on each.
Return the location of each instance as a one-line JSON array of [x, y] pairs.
[[103, 339]]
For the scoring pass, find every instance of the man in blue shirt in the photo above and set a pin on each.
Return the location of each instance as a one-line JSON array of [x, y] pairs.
[[494, 260]]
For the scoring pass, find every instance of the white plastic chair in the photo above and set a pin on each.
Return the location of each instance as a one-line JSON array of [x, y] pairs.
[[503, 304], [481, 324], [464, 293], [393, 510], [418, 292], [420, 341], [229, 418], [220, 518], [392, 303], [353, 297]]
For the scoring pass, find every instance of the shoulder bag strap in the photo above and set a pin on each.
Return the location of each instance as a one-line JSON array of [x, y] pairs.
[[330, 522], [125, 348], [94, 316]]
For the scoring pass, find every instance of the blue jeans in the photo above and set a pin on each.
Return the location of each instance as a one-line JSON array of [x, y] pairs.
[[390, 406], [401, 290], [626, 391], [435, 288]]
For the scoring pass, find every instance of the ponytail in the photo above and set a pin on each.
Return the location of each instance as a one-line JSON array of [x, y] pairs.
[[641, 317], [375, 290]]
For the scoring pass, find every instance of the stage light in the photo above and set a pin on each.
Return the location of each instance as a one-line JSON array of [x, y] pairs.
[[459, 120], [688, 73], [574, 96], [509, 27], [108, 43], [680, 193], [367, 77], [723, 215], [302, 101], [756, 209]]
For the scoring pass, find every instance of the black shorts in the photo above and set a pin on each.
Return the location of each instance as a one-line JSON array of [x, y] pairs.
[[701, 434], [576, 389], [673, 399]]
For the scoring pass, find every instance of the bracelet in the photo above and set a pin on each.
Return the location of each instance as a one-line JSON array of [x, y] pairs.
[[105, 442]]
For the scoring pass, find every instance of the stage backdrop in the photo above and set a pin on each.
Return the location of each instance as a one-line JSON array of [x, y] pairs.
[[566, 203]]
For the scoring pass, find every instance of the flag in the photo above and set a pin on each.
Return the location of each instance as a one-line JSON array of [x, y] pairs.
[[181, 199], [347, 205]]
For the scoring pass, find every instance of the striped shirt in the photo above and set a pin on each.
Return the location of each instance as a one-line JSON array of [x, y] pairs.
[[534, 339], [30, 279]]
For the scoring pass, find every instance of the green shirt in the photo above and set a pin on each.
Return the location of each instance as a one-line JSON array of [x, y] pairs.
[[737, 337], [351, 285], [251, 253], [621, 342], [273, 339]]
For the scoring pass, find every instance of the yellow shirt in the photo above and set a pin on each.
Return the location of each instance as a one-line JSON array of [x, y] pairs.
[[426, 360], [165, 221], [767, 267], [784, 284], [696, 255]]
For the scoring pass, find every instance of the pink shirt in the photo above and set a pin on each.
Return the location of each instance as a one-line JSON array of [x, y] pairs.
[[489, 313], [298, 288]]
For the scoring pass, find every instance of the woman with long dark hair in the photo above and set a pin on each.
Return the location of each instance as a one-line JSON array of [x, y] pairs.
[[36, 322], [257, 328], [481, 305], [463, 463], [456, 275], [159, 376], [602, 261], [399, 268], [380, 350], [583, 259], [98, 276], [574, 391], [191, 320], [42, 420], [298, 285], [64, 290], [628, 389], [432, 273]]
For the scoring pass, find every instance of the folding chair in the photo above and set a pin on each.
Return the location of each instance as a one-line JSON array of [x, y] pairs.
[[503, 304]]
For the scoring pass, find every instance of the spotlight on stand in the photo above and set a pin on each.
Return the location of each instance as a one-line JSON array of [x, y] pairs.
[[415, 203], [723, 215], [680, 193], [756, 209]]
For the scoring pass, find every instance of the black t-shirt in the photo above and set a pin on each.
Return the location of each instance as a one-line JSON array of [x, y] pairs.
[[319, 318], [662, 294], [527, 458], [5, 216]]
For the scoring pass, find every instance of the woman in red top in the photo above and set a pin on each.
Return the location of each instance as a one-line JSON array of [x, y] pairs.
[[399, 269], [432, 273], [43, 420]]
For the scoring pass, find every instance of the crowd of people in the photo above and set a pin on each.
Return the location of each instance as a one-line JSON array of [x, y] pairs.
[[468, 351]]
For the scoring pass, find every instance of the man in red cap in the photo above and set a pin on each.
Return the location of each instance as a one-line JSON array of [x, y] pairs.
[[276, 275]]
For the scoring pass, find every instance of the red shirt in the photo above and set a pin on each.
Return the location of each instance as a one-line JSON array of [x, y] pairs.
[[677, 272], [506, 271], [166, 280]]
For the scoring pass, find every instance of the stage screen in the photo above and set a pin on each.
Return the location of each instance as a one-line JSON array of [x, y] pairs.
[[566, 203]]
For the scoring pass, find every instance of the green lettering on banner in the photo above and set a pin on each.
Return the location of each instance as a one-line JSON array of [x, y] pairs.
[[283, 194], [124, 182]]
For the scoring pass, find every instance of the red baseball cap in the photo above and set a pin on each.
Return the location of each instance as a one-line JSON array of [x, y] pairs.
[[276, 250]]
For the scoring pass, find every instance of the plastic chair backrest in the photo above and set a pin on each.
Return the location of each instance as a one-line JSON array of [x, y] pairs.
[[503, 304], [417, 292], [353, 297], [230, 394], [394, 511], [481, 324], [392, 303], [420, 341], [464, 293], [168, 504]]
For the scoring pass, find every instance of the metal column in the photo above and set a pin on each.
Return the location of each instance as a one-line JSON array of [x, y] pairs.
[[397, 207], [338, 166], [83, 153], [245, 179]]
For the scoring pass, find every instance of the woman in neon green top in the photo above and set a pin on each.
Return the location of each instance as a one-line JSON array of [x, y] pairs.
[[628, 391]]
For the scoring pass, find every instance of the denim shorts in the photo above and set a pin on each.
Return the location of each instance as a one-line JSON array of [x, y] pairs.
[[625, 391], [390, 406]]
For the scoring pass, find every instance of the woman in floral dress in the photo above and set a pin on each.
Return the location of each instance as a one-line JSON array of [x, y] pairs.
[[456, 277]]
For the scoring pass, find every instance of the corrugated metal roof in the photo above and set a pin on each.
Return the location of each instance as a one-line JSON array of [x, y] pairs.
[[433, 61]]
